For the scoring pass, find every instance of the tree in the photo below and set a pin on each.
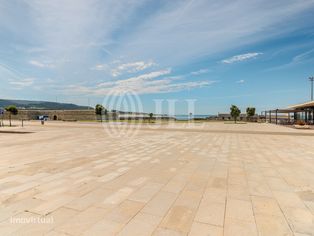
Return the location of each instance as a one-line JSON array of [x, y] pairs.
[[106, 114], [150, 116], [235, 112], [99, 110], [250, 112], [12, 111]]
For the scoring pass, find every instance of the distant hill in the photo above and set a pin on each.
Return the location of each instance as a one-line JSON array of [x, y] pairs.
[[24, 104]]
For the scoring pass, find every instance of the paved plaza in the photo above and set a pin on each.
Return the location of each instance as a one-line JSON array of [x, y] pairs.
[[206, 179]]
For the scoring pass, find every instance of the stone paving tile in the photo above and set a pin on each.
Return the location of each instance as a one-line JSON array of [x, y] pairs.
[[82, 221], [141, 224], [272, 225], [240, 227], [211, 213], [160, 204], [266, 206], [200, 229], [145, 193], [239, 210], [217, 180], [124, 212]]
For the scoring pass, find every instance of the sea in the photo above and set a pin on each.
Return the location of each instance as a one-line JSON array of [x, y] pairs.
[[187, 117]]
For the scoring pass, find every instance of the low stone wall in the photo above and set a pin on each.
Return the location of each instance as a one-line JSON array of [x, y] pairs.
[[54, 114]]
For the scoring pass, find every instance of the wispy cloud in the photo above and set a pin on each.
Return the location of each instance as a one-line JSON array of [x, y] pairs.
[[241, 81], [100, 67], [124, 68], [153, 82], [22, 83], [241, 57], [199, 72], [41, 64], [303, 57], [94, 33], [131, 67]]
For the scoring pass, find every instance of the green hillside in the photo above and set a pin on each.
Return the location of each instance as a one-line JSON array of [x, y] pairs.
[[25, 104]]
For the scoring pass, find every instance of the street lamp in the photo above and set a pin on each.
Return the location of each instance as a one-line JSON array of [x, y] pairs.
[[311, 79]]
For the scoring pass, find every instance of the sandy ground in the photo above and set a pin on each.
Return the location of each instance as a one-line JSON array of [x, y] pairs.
[[176, 179]]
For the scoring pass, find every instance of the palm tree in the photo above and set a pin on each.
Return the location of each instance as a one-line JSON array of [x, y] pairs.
[[12, 111]]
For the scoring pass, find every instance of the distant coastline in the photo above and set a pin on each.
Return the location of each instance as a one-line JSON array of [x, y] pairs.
[[187, 117]]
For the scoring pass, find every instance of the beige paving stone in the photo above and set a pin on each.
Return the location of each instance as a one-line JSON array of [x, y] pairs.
[[118, 196], [104, 227], [89, 199], [181, 214], [18, 207], [240, 227], [11, 226], [238, 192], [278, 184], [167, 232], [53, 220], [218, 182], [215, 195], [55, 233], [174, 186], [239, 210], [20, 188], [82, 221], [272, 225], [266, 206], [288, 199], [200, 229], [145, 193], [300, 220], [166, 181], [51, 205], [258, 188], [160, 204], [124, 212], [211, 213], [141, 224]]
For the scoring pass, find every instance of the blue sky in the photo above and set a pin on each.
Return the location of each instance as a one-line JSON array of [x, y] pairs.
[[249, 53]]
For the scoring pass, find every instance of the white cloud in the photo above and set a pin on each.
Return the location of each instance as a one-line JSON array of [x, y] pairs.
[[242, 57], [153, 82], [22, 83], [199, 72], [131, 67], [240, 81], [172, 33], [41, 64], [298, 59], [100, 67]]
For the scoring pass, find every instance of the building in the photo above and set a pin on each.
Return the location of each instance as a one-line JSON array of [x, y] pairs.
[[292, 114]]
